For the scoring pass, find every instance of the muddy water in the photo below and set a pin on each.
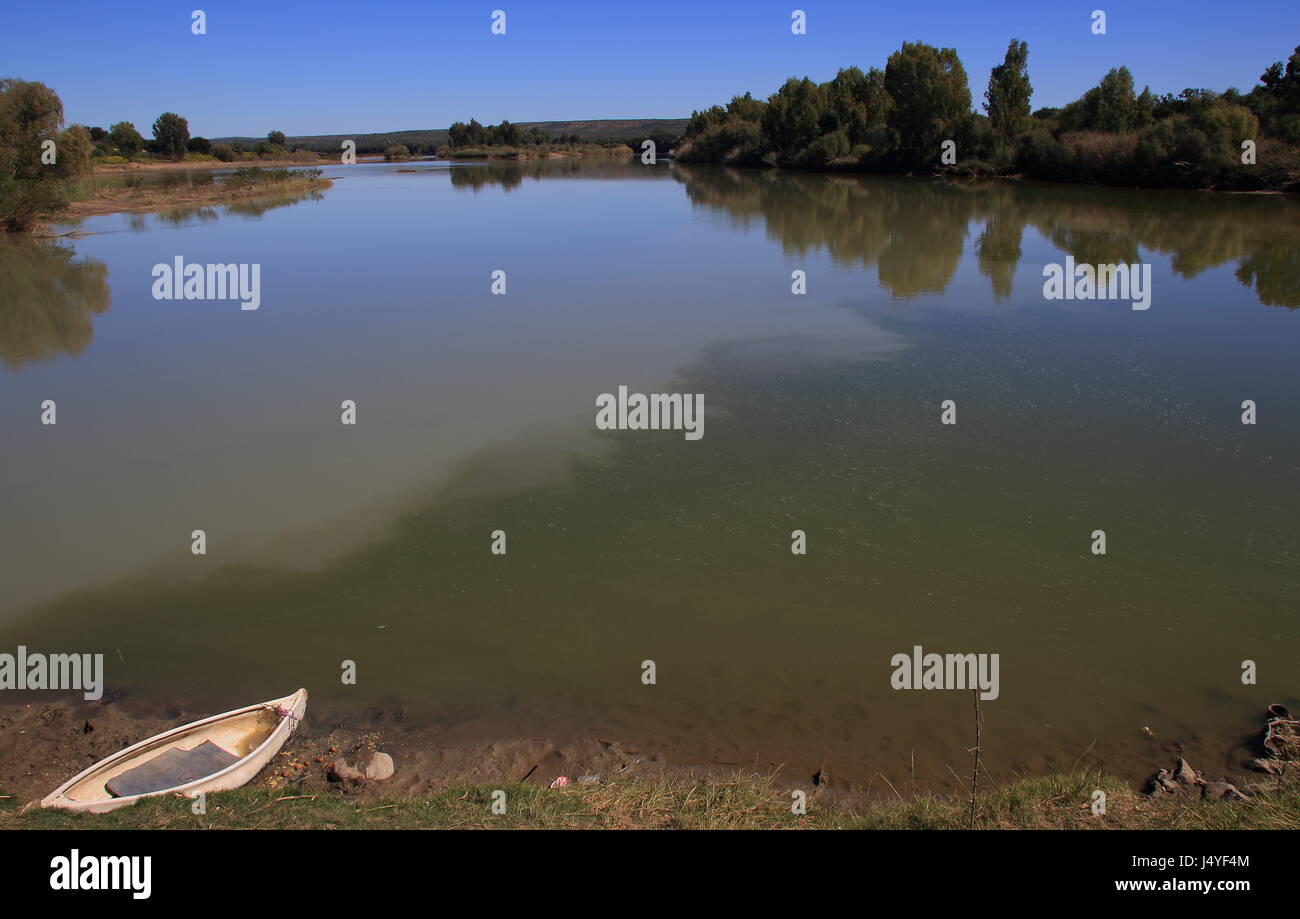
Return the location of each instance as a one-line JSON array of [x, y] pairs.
[[475, 412]]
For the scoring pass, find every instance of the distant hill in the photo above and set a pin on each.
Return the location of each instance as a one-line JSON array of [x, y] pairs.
[[424, 141]]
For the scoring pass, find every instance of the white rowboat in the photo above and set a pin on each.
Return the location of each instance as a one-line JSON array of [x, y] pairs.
[[215, 754]]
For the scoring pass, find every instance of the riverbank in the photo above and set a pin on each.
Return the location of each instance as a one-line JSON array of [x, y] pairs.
[[607, 785], [733, 802], [192, 165], [243, 185]]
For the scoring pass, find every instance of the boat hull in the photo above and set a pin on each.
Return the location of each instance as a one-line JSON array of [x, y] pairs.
[[85, 791]]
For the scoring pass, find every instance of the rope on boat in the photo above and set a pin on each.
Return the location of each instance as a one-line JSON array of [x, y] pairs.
[[284, 713]]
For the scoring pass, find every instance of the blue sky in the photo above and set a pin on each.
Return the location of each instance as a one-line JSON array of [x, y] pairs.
[[325, 67]]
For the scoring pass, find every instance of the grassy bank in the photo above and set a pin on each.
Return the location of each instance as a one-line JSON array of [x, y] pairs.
[[740, 802], [246, 184], [102, 167]]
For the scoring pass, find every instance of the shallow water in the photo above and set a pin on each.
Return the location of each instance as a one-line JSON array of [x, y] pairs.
[[476, 412]]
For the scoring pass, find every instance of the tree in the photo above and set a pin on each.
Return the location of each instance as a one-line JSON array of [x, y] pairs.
[[172, 133], [275, 138], [1277, 100], [1009, 92], [507, 133], [199, 145], [126, 138], [746, 108], [931, 99], [31, 187], [793, 117], [1110, 106]]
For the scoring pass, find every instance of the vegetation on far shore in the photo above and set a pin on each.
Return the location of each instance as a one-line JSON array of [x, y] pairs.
[[736, 802], [44, 167], [901, 119], [427, 141], [200, 189], [509, 141]]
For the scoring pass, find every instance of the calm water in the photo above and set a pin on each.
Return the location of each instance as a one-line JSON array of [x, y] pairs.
[[475, 412]]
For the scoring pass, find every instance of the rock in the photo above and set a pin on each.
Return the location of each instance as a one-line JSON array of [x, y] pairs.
[[1161, 783], [1185, 774], [1271, 766], [1214, 791], [341, 771], [379, 767]]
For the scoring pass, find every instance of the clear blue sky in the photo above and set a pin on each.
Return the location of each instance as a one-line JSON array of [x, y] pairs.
[[327, 68]]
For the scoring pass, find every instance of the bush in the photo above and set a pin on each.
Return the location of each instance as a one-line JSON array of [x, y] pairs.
[[737, 142], [824, 151], [256, 175]]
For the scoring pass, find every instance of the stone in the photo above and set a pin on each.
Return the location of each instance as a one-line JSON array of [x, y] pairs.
[[379, 767], [341, 771], [1271, 766], [1185, 774], [1214, 791]]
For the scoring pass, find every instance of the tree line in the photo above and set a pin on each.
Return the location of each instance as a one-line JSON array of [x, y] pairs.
[[916, 115], [504, 134]]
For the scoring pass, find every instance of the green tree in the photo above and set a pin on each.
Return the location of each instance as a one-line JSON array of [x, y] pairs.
[[931, 99], [275, 138], [507, 134], [172, 133], [746, 108], [1007, 98], [199, 145], [1277, 99], [792, 120], [31, 185], [126, 138], [1110, 106]]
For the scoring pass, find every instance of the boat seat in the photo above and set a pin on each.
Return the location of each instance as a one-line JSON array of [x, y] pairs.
[[175, 767]]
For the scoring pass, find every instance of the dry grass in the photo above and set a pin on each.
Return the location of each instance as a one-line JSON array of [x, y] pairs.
[[742, 802], [145, 197]]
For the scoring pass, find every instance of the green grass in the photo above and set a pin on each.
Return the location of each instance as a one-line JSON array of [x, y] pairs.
[[742, 802]]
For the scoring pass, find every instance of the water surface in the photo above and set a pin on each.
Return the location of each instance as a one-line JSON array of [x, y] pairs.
[[371, 542]]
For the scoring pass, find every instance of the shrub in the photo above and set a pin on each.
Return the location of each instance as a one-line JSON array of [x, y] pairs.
[[30, 116]]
